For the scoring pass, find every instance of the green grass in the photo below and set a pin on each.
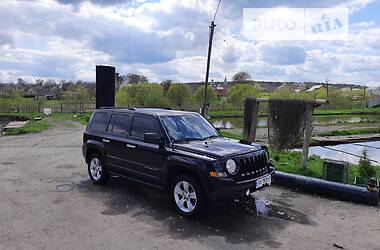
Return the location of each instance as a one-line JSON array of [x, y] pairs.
[[346, 111], [80, 118], [227, 113], [230, 135], [351, 132], [38, 126], [289, 162], [31, 127]]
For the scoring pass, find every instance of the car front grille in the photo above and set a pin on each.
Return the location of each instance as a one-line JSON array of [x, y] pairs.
[[252, 165]]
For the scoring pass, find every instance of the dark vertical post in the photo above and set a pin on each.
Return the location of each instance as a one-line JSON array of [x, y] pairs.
[[212, 26], [306, 136], [251, 109], [105, 86]]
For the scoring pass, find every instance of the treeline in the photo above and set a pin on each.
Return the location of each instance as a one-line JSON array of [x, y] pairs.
[[135, 90]]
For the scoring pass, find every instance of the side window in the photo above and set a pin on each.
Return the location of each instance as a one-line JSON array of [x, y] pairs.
[[142, 125], [120, 124], [98, 122]]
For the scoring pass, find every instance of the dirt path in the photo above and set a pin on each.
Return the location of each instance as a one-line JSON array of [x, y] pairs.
[[48, 202]]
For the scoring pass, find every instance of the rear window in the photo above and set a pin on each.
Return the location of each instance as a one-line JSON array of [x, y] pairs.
[[98, 122], [142, 125], [120, 124]]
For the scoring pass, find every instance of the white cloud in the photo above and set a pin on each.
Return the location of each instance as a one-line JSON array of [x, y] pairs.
[[168, 40]]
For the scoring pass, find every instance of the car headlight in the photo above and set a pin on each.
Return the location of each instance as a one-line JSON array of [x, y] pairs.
[[231, 166]]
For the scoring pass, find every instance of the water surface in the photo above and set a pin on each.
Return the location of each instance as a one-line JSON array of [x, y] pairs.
[[352, 148]]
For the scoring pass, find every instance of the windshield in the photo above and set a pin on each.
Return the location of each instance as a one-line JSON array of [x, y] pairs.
[[188, 127]]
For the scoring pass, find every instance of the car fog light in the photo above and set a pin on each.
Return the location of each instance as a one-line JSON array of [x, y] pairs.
[[248, 192]]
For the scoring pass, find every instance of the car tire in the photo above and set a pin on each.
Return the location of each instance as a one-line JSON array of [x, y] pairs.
[[187, 196], [97, 170]]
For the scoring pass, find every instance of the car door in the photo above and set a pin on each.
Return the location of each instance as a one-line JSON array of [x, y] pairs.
[[115, 142], [147, 159]]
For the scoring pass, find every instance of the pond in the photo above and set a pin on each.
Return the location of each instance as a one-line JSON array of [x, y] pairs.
[[237, 122], [337, 152]]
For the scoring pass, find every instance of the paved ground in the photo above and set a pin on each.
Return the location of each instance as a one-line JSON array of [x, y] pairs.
[[47, 202]]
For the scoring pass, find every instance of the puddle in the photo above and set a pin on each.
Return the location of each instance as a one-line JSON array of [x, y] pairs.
[[8, 163], [69, 183], [236, 222], [65, 166], [262, 207], [65, 187]]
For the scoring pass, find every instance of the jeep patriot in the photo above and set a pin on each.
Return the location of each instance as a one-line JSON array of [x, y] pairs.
[[178, 151]]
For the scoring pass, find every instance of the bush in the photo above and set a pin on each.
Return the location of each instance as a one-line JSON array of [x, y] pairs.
[[239, 92], [179, 93], [200, 92], [366, 170]]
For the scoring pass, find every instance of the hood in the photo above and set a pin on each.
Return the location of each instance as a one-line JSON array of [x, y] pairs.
[[217, 148]]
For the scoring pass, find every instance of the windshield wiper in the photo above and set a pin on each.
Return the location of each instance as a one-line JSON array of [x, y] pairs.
[[187, 139], [210, 137]]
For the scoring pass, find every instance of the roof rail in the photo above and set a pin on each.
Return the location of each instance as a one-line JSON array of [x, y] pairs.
[[133, 108], [152, 107], [130, 108]]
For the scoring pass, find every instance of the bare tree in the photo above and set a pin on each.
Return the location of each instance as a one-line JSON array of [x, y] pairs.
[[135, 78], [241, 76], [166, 85]]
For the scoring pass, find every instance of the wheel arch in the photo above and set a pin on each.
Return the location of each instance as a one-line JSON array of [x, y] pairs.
[[94, 147], [179, 169]]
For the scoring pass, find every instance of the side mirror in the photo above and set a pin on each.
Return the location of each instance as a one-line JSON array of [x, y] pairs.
[[153, 138]]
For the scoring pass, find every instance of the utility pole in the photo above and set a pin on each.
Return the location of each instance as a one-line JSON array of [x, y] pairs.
[[212, 26], [327, 90], [364, 97]]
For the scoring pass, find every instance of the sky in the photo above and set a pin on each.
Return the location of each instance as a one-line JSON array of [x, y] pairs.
[[168, 39]]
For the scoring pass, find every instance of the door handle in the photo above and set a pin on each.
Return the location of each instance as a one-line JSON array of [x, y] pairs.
[[131, 146], [105, 140]]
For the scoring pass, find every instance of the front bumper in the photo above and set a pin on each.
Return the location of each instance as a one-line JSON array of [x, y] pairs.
[[220, 189]]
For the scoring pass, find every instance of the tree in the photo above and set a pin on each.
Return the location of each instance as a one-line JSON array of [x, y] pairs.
[[241, 77], [166, 85], [79, 95], [365, 167], [200, 92], [239, 92], [179, 93], [135, 79], [155, 97], [21, 82], [39, 82], [143, 94]]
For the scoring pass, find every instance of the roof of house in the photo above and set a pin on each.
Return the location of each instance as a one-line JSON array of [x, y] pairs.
[[315, 87]]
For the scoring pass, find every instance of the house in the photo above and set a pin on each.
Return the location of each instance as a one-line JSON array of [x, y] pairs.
[[374, 91], [221, 89], [375, 97], [315, 87]]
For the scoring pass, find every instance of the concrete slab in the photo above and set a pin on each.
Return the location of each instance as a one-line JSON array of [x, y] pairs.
[[15, 124]]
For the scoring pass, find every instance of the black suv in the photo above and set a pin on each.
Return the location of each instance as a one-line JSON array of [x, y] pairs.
[[174, 150]]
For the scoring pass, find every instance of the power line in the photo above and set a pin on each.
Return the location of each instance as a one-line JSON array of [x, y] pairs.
[[363, 145], [341, 151]]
